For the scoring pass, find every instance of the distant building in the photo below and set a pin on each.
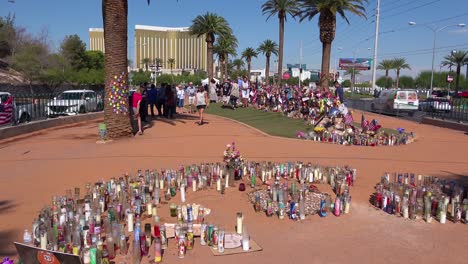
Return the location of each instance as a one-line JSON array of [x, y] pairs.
[[96, 39], [188, 51]]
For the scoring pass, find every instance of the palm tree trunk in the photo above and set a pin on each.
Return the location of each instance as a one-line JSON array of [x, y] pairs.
[[267, 70], [397, 78], [209, 42], [249, 68], [221, 69], [226, 68], [115, 15], [457, 80], [280, 50], [326, 51], [386, 79]]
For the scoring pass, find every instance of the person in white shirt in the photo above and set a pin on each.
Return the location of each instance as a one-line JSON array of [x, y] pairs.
[[191, 95], [245, 91], [180, 99]]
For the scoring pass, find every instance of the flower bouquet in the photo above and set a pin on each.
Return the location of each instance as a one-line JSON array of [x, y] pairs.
[[233, 159]]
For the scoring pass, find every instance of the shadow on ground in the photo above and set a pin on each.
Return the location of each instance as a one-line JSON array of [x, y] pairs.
[[7, 249], [6, 206]]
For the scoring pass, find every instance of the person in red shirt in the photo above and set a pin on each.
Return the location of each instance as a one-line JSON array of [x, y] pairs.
[[136, 102]]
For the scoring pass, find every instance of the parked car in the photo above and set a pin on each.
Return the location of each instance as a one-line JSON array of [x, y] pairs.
[[73, 102], [394, 101], [435, 105], [21, 112]]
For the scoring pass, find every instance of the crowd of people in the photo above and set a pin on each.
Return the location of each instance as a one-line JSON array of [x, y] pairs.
[[294, 101]]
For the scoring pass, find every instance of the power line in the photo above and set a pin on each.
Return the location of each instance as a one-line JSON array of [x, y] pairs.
[[411, 9], [422, 51]]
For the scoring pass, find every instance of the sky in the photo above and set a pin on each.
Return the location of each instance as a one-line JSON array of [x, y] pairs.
[[396, 38]]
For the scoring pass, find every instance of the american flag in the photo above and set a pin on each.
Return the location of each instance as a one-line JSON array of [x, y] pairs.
[[373, 125], [348, 119], [6, 111], [364, 123]]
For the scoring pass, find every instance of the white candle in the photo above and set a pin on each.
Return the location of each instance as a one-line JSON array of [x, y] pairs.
[[443, 217], [130, 222], [320, 175], [98, 218], [311, 177], [316, 174], [240, 219], [263, 176], [149, 208], [44, 241], [245, 171], [218, 184], [194, 185], [154, 211], [161, 183], [227, 181], [182, 193]]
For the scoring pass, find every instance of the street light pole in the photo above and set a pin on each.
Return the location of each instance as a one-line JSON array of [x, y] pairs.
[[435, 31], [376, 44]]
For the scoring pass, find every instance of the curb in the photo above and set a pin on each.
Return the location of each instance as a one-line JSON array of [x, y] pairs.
[[14, 131], [445, 124]]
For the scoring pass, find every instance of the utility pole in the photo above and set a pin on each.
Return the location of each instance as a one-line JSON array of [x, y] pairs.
[[376, 44], [300, 67]]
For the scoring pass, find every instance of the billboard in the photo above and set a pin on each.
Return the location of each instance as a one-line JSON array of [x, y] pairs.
[[362, 64]]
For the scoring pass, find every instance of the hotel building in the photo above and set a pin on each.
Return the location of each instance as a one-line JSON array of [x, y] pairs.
[[96, 39], [188, 51]]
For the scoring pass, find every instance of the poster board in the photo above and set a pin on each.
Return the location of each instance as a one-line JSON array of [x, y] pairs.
[[34, 255]]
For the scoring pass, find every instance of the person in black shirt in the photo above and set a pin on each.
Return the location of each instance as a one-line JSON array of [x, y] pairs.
[[226, 91]]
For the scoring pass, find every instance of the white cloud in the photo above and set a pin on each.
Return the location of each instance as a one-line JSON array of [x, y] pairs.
[[460, 31]]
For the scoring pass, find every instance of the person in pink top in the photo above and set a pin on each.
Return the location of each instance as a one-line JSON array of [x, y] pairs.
[[136, 102]]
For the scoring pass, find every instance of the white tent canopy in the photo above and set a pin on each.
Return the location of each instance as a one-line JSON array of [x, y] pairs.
[[206, 81]]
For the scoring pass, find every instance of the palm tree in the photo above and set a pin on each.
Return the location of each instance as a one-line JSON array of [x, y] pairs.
[[129, 63], [268, 47], [281, 8], [458, 58], [248, 54], [115, 21], [210, 24], [171, 63], [398, 65], [385, 65], [146, 62], [224, 47], [353, 73], [238, 63], [327, 10]]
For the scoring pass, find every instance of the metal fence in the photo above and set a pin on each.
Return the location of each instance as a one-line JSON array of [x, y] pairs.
[[34, 107], [454, 110]]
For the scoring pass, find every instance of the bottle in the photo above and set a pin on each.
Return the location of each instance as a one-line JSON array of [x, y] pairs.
[[337, 206], [27, 238], [162, 232], [203, 233], [182, 193], [221, 241], [240, 220], [190, 237], [157, 250], [301, 208], [136, 251], [123, 245]]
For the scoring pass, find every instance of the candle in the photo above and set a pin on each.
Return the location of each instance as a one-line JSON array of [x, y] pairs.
[[218, 184], [44, 240], [311, 177], [194, 185], [154, 211], [245, 241], [227, 181], [316, 174], [263, 176], [149, 208], [182, 193], [130, 222], [240, 219], [161, 183]]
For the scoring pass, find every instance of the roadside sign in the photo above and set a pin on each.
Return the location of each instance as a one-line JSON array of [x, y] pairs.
[[286, 75], [449, 78]]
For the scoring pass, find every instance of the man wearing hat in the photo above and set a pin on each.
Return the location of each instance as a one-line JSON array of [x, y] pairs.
[[226, 91]]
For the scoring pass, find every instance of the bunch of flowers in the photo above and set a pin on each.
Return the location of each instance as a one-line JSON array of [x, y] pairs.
[[232, 156]]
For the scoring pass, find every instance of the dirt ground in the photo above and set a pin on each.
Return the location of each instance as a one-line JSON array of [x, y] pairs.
[[35, 167]]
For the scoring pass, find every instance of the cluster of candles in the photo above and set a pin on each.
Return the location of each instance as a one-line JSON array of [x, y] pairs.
[[302, 198], [96, 226], [421, 197], [362, 139]]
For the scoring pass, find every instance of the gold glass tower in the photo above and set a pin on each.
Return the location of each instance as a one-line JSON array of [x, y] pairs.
[[188, 51], [96, 39]]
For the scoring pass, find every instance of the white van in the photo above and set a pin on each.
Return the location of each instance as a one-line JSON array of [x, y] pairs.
[[393, 101]]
